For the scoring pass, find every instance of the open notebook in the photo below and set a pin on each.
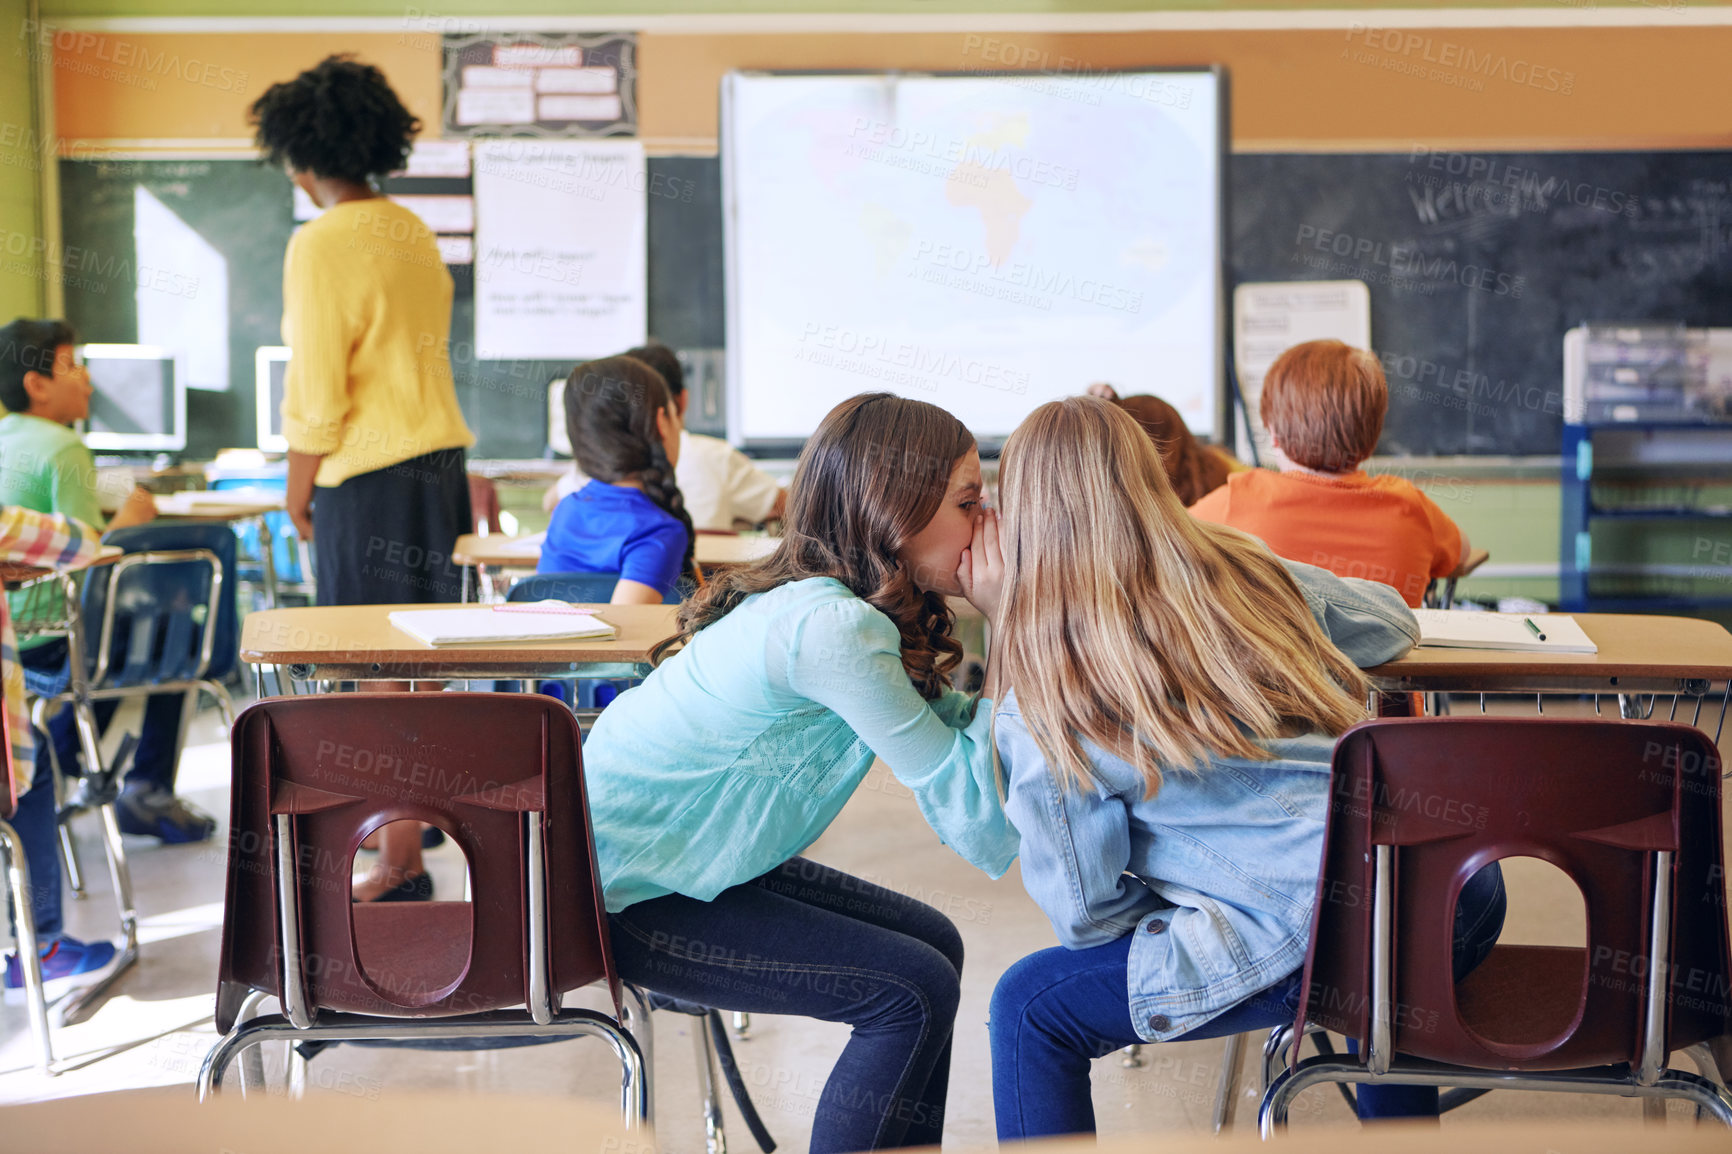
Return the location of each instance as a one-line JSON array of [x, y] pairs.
[[1465, 629], [480, 624]]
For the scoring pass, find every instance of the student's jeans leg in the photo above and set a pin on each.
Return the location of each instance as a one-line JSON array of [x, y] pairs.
[[154, 761], [1055, 1011], [36, 823], [812, 941], [37, 818]]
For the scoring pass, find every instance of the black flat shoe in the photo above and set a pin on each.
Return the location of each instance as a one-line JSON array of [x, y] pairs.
[[415, 889], [431, 838]]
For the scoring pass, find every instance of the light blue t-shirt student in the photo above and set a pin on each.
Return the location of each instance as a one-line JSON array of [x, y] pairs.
[[605, 528], [740, 749]]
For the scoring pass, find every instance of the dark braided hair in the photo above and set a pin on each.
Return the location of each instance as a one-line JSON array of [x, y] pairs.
[[870, 478], [339, 120], [610, 415]]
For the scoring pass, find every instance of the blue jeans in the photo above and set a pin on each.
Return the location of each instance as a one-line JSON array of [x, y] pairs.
[[812, 941], [35, 819], [1055, 1011]]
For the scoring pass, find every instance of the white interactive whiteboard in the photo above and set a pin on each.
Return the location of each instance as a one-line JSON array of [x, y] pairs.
[[986, 242]]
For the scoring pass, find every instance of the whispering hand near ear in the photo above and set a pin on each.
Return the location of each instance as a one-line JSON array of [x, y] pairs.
[[981, 571]]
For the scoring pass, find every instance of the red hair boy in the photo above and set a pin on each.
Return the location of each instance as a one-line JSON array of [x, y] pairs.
[[1323, 404]]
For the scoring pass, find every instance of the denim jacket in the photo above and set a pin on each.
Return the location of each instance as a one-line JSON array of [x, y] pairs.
[[1217, 874]]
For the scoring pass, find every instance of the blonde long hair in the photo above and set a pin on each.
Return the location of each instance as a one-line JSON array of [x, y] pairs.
[[1161, 638]]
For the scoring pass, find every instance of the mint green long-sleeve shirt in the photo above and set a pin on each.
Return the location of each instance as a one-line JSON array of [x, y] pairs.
[[741, 749]]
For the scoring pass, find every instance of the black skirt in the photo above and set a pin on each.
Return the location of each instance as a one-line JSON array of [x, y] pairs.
[[385, 537]]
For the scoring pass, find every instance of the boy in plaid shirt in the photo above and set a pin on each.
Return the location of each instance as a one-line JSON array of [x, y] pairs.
[[48, 541]]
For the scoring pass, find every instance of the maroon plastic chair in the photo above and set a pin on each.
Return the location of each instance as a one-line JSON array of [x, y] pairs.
[[1630, 811], [501, 775]]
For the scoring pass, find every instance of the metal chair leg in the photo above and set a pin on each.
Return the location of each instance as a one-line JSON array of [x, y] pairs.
[[1274, 1057], [1701, 1092], [253, 1058], [1131, 1057], [80, 1006], [568, 1023], [68, 847], [297, 1088], [715, 1138], [1227, 1090], [742, 1025], [29, 954], [69, 856], [641, 1026]]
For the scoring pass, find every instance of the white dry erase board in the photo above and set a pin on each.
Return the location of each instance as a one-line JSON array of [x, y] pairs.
[[985, 242]]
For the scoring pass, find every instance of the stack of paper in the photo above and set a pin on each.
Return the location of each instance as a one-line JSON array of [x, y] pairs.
[[529, 546], [479, 623], [1465, 629]]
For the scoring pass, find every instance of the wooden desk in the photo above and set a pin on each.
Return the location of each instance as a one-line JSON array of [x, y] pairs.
[[359, 643], [1638, 654], [220, 505], [713, 551], [15, 576], [232, 505]]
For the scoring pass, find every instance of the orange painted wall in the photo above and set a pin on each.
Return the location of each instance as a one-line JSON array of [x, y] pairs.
[[1645, 87], [143, 86], [1655, 87]]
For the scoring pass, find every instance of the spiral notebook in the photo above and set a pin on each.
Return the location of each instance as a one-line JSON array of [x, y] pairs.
[[481, 625], [1465, 629]]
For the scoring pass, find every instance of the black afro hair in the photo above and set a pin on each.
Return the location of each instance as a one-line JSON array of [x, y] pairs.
[[339, 120]]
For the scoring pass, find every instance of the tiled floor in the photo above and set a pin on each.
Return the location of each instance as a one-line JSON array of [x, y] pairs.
[[157, 1028]]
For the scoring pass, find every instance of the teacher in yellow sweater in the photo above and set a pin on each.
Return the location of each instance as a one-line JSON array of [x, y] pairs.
[[376, 438]]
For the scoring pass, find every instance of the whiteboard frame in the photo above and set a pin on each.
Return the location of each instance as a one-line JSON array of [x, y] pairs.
[[1225, 430]]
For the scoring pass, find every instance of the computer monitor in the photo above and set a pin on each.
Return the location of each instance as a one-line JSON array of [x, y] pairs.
[[270, 367], [139, 403]]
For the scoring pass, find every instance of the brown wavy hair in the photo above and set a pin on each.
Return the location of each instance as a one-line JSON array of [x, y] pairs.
[[1193, 467], [870, 478]]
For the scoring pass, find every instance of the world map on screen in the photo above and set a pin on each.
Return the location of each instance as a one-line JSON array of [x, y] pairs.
[[983, 243]]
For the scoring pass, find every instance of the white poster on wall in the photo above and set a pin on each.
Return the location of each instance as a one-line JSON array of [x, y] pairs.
[[561, 248], [1270, 317]]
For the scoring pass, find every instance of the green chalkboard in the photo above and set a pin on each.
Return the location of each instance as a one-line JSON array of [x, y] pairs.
[[240, 208], [245, 211]]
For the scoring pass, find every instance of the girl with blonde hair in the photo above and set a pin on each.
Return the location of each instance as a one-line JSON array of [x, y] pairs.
[[1173, 695]]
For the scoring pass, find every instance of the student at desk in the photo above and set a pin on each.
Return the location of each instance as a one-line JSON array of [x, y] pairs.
[[45, 467], [630, 517], [31, 538], [706, 781], [720, 484], [1323, 403], [1173, 696]]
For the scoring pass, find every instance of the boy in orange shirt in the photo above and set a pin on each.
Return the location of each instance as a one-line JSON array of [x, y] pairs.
[[1323, 404]]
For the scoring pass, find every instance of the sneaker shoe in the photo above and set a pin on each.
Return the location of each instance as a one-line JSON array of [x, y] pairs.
[[66, 963], [158, 813]]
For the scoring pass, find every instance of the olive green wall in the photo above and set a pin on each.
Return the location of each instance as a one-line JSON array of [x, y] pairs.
[[20, 163]]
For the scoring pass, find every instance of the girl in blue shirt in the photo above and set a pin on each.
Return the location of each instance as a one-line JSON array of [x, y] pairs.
[[1173, 696], [708, 779], [630, 518]]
